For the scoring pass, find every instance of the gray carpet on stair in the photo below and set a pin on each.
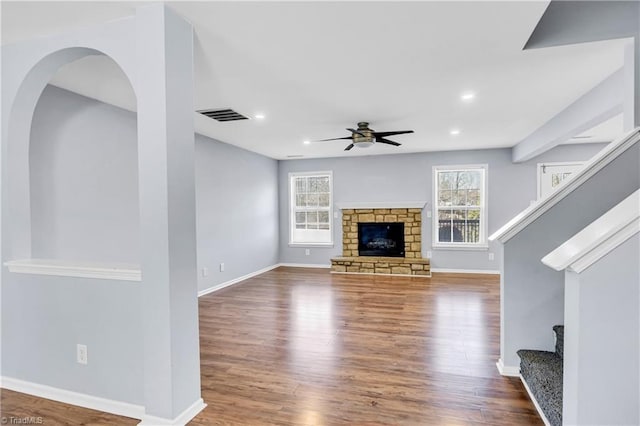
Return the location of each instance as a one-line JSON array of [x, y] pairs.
[[542, 371]]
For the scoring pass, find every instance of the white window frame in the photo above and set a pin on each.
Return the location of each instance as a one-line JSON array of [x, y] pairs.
[[291, 219], [482, 243], [541, 166]]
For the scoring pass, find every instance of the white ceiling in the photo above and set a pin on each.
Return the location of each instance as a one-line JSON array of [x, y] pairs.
[[314, 68]]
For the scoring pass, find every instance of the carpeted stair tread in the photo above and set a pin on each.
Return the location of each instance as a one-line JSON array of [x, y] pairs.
[[542, 371], [559, 330]]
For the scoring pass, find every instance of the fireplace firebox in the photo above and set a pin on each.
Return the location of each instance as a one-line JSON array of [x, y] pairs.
[[381, 239]]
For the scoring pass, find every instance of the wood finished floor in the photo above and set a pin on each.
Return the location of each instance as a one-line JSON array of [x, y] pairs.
[[304, 347]]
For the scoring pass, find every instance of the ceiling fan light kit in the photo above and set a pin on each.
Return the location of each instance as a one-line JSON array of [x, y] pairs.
[[364, 137]]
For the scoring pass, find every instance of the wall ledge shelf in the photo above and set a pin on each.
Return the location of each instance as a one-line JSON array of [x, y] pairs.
[[599, 238], [65, 268]]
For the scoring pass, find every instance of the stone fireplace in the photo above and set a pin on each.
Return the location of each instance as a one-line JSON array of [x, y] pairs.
[[359, 257]]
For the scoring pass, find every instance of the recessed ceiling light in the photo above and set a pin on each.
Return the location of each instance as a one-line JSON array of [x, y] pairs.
[[454, 132], [306, 142], [259, 116], [467, 96]]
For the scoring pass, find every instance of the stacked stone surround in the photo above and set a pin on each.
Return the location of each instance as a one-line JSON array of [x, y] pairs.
[[411, 264]]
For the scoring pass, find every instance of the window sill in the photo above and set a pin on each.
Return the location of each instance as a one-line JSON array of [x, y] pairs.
[[461, 247], [326, 245]]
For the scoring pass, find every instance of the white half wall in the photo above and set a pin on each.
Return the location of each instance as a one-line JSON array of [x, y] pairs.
[[601, 346], [532, 294]]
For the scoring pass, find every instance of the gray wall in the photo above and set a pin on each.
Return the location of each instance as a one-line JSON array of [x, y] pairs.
[[84, 201], [408, 177], [84, 180], [237, 211], [533, 294], [44, 318], [602, 312]]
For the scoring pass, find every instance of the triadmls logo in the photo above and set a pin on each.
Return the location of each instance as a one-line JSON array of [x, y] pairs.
[[10, 420]]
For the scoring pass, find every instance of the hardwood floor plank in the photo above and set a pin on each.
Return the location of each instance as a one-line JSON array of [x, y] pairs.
[[306, 347]]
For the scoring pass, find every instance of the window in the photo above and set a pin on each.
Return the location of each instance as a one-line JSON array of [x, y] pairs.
[[311, 205], [551, 175], [460, 206]]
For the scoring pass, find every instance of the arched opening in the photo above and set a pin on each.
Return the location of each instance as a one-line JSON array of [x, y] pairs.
[[83, 168], [73, 197], [97, 309], [59, 150]]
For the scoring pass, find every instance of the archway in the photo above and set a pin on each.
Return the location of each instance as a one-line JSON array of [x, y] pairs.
[[154, 48], [83, 163]]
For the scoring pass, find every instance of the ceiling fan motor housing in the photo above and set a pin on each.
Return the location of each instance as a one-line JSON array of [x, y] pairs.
[[365, 137]]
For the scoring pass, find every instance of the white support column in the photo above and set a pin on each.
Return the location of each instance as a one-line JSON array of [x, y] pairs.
[[167, 215]]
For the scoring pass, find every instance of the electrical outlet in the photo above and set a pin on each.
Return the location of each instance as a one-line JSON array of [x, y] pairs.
[[491, 256], [307, 252], [205, 272], [222, 267], [428, 213], [335, 215], [81, 354], [429, 255]]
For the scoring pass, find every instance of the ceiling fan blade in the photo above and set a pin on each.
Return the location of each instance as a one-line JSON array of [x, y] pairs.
[[387, 141], [357, 132], [334, 139], [399, 132], [349, 147]]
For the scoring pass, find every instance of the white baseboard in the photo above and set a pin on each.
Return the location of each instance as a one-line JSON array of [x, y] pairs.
[[505, 370], [305, 265], [100, 404], [236, 280], [74, 398], [535, 402], [465, 271], [180, 420]]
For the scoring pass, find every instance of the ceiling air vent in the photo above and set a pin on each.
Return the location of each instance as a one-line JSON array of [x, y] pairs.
[[226, 114]]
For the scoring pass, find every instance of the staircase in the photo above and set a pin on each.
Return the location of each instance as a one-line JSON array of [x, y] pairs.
[[541, 372]]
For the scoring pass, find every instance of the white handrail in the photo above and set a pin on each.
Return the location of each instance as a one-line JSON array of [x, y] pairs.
[[591, 167], [599, 238]]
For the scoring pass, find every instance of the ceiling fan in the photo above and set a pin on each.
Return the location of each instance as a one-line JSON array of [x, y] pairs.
[[364, 137]]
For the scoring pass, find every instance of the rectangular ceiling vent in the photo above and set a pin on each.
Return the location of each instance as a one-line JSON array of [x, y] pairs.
[[226, 114]]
